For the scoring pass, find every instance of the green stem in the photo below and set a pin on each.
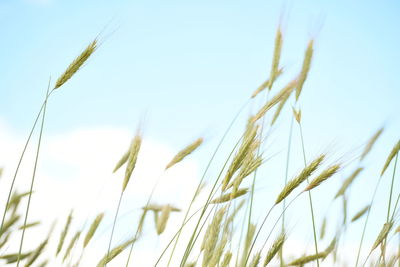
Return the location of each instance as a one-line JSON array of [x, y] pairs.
[[389, 205], [255, 172], [366, 220], [193, 237], [204, 174], [275, 224], [33, 175], [189, 246], [176, 234], [113, 227], [286, 179], [18, 165], [309, 196], [137, 230]]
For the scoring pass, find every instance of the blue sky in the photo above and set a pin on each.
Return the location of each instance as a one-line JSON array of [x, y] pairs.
[[170, 60], [187, 67]]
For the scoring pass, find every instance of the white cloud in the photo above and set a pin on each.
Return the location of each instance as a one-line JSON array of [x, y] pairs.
[[74, 171]]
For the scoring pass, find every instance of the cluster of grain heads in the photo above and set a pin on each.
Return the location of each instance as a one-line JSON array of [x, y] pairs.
[[360, 213], [371, 143], [283, 94], [251, 230], [323, 176], [266, 84], [114, 252], [348, 182], [248, 146], [276, 246], [306, 68], [219, 248], [248, 164], [184, 152], [300, 178], [76, 64], [392, 154], [211, 236], [92, 229]]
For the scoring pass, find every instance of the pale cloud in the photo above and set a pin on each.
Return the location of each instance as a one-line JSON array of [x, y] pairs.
[[75, 172]]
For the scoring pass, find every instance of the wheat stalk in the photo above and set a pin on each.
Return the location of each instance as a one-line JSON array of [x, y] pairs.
[[361, 213], [392, 154], [306, 68], [132, 159], [64, 233], [92, 229], [276, 246], [184, 153], [295, 182], [371, 143], [76, 64], [326, 174]]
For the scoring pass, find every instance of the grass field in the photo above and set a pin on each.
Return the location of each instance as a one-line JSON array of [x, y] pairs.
[[255, 200]]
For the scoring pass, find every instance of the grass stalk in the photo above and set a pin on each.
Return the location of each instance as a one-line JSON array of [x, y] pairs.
[[113, 227], [286, 180], [34, 174], [255, 172], [193, 236], [18, 166], [366, 220], [205, 172], [309, 195]]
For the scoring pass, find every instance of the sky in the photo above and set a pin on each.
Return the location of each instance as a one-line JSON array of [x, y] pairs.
[[185, 68]]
